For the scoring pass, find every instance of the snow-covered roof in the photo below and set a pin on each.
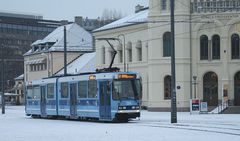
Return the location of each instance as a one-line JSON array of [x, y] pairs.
[[20, 77], [84, 63], [132, 19], [78, 39]]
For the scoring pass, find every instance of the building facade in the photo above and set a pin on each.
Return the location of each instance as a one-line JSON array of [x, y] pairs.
[[46, 57], [17, 33], [206, 50]]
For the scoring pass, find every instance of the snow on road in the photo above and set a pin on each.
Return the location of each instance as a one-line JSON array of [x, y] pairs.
[[153, 126]]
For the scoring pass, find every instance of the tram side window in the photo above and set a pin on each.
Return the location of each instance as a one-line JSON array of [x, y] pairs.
[[36, 92], [29, 92], [82, 89], [50, 91], [64, 90], [92, 89]]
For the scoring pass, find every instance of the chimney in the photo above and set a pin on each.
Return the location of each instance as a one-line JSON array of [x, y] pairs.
[[64, 22], [79, 20], [138, 8]]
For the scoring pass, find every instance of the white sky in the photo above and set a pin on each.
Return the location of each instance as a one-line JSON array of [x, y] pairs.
[[67, 9]]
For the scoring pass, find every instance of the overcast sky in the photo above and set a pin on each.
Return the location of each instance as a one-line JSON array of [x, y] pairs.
[[67, 9]]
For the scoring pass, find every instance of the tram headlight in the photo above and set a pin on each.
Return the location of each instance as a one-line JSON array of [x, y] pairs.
[[120, 108], [124, 108]]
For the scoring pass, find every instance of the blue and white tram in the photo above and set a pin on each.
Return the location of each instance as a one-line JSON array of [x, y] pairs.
[[103, 96]]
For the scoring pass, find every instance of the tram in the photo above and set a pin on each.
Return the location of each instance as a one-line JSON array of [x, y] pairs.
[[113, 96]]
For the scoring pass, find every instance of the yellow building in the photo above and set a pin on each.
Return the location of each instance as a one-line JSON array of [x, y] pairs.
[[207, 51], [47, 55]]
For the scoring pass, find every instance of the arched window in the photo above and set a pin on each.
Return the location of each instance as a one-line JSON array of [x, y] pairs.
[[120, 56], [216, 47], [167, 87], [120, 53], [139, 50], [235, 46], [210, 88], [129, 52], [203, 47], [166, 44], [103, 55], [237, 89]]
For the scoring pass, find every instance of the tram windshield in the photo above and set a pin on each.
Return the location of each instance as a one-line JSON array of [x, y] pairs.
[[126, 89]]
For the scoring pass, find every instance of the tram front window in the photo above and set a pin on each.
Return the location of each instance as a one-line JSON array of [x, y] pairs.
[[126, 89]]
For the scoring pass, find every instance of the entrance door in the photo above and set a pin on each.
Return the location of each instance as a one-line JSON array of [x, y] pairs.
[[43, 101], [73, 100], [105, 100], [237, 89], [210, 89]]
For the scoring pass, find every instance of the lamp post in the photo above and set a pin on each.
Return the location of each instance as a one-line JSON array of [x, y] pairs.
[[195, 85], [124, 53], [65, 50]]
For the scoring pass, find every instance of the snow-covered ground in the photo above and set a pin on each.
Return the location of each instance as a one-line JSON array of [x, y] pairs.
[[153, 126]]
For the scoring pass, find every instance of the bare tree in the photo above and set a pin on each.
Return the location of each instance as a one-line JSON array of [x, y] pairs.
[[111, 14]]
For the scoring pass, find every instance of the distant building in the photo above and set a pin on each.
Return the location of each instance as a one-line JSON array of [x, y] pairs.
[[17, 33], [47, 55]]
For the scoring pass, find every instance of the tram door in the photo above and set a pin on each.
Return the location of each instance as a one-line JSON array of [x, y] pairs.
[[105, 100], [43, 101], [73, 100]]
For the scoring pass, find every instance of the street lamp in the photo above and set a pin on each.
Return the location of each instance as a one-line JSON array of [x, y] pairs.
[[195, 84], [173, 71], [124, 53]]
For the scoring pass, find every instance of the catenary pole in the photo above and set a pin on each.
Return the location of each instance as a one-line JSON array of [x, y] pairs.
[[65, 51], [173, 81], [2, 97], [124, 51]]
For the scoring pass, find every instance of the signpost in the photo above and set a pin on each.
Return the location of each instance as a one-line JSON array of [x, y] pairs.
[[195, 106], [203, 107]]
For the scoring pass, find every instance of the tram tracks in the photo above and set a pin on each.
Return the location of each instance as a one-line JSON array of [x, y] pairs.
[[194, 127]]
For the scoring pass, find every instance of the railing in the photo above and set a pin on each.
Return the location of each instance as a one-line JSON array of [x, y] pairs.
[[204, 6], [221, 107]]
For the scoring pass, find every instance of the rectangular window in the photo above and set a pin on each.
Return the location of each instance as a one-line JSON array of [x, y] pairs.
[[164, 4], [36, 92], [82, 89], [50, 91], [31, 67], [29, 92], [64, 90], [92, 89]]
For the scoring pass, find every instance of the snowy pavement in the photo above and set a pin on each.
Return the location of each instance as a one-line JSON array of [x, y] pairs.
[[153, 126]]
